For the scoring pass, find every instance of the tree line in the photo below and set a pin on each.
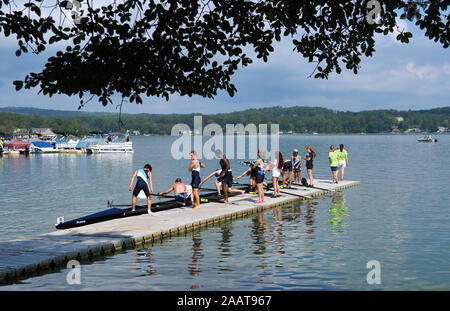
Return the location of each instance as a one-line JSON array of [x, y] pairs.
[[295, 119]]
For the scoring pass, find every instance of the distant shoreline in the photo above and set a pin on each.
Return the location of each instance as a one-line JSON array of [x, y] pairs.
[[298, 120]]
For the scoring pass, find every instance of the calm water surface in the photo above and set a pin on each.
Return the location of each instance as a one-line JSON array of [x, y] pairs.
[[398, 216]]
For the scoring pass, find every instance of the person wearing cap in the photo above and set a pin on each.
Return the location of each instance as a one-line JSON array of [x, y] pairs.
[[297, 165]]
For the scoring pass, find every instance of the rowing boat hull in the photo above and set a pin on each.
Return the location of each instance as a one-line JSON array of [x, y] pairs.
[[114, 213]]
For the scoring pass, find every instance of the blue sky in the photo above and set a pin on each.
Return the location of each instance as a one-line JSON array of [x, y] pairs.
[[398, 76]]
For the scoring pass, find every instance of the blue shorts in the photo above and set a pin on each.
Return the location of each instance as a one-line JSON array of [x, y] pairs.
[[287, 166], [260, 178], [196, 180], [140, 185], [227, 179], [333, 168]]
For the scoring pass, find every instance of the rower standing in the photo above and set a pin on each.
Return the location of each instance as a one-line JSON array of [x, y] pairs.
[[259, 166], [144, 183], [297, 166], [194, 168]]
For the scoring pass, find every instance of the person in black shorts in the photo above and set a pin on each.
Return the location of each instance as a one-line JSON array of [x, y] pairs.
[[310, 155], [287, 167], [144, 183], [194, 168]]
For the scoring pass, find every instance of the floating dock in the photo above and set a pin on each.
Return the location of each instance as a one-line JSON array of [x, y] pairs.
[[23, 258]]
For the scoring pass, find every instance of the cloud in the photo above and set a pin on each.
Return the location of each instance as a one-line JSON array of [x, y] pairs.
[[426, 72]]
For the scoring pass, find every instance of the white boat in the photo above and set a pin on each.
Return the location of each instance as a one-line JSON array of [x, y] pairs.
[[427, 139], [69, 146], [114, 143], [42, 147]]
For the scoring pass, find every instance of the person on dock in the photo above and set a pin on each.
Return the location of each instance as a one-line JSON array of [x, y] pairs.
[[343, 160], [251, 172], [259, 166], [181, 190], [220, 180], [296, 161], [333, 159], [144, 183], [276, 171], [310, 155], [194, 168], [287, 169], [225, 175]]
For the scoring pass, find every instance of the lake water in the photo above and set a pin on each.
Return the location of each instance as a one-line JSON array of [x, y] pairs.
[[399, 216]]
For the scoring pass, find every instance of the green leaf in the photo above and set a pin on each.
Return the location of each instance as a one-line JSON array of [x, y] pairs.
[[18, 84]]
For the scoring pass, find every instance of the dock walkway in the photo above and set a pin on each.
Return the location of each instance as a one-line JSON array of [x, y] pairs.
[[31, 256]]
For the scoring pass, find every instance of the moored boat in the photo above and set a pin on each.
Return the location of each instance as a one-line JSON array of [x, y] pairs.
[[42, 147], [114, 143], [17, 146]]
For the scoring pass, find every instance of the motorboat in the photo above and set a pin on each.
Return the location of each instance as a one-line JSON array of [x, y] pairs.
[[41, 146], [113, 143], [427, 139], [69, 146]]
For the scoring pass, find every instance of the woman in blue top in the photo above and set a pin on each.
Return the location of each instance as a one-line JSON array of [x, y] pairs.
[[259, 166], [297, 165], [310, 155]]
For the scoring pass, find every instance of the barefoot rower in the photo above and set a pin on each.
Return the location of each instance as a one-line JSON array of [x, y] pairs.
[[182, 191], [194, 168], [144, 183]]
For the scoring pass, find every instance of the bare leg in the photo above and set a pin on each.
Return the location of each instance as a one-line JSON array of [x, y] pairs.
[[196, 202], [230, 190], [311, 179], [225, 191], [133, 203], [149, 205], [192, 197], [342, 173], [276, 187], [252, 183], [290, 178], [260, 191], [217, 186]]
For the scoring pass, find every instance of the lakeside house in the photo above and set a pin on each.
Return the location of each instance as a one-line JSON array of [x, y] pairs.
[[43, 133]]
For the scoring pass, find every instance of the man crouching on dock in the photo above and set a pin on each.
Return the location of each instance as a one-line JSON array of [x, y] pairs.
[[182, 191], [144, 183]]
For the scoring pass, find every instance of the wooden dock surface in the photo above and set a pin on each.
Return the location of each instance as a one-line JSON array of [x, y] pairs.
[[24, 258]]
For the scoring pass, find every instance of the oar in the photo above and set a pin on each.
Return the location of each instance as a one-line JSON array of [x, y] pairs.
[[242, 184], [163, 195], [207, 189], [270, 187], [296, 195], [331, 190]]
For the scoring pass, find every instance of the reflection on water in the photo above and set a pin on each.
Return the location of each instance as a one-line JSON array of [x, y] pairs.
[[338, 214], [337, 218]]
